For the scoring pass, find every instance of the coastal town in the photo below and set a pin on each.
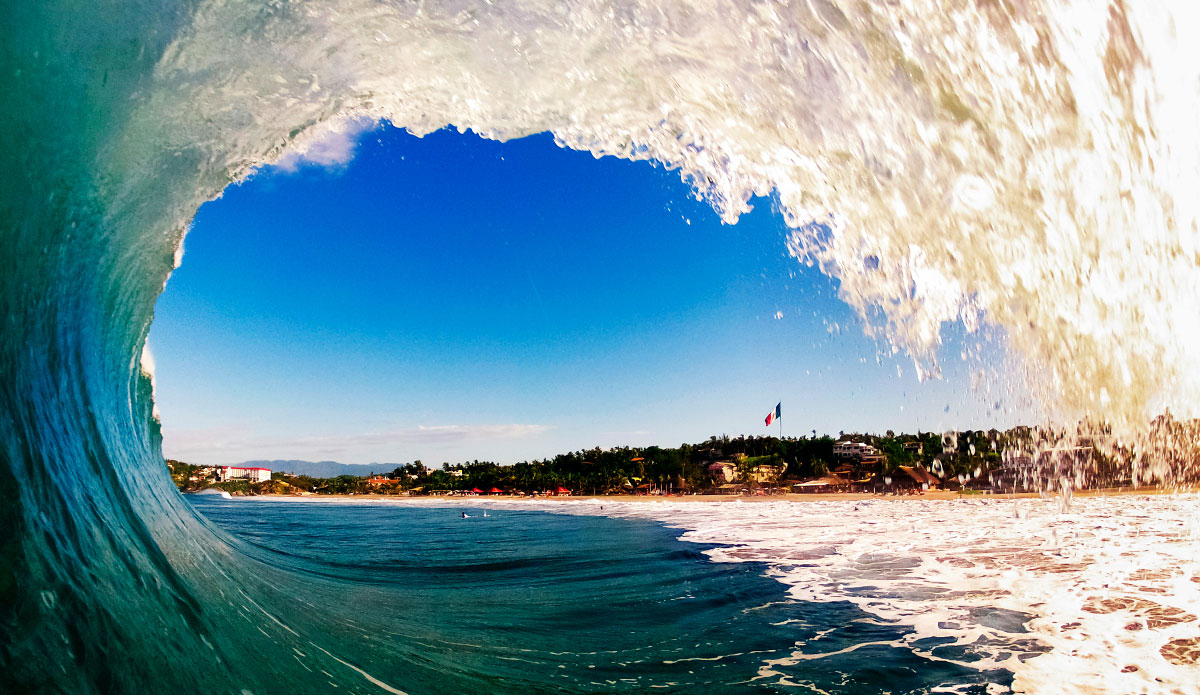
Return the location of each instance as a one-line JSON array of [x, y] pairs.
[[971, 462]]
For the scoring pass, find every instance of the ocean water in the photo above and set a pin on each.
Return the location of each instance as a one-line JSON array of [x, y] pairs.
[[1026, 168], [532, 601]]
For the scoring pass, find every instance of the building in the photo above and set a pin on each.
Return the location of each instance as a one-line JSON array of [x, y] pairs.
[[723, 471], [766, 473], [871, 461], [916, 477], [854, 450], [914, 448], [828, 483], [856, 473], [202, 473], [254, 475]]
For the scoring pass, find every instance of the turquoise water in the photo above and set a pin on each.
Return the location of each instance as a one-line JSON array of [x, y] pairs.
[[529, 601]]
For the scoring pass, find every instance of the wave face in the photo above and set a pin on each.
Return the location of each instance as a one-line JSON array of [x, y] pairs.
[[1024, 165]]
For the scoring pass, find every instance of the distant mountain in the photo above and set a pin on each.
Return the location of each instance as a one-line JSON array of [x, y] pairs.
[[322, 469]]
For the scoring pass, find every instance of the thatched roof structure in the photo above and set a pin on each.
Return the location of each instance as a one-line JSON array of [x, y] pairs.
[[920, 476]]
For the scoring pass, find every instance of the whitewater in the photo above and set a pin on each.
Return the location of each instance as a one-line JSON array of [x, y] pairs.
[[1097, 596], [1026, 168], [1109, 587]]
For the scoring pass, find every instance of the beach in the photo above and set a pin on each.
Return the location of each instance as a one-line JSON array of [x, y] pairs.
[[931, 495]]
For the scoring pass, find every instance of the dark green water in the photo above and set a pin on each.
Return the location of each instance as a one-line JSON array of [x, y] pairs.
[[531, 602]]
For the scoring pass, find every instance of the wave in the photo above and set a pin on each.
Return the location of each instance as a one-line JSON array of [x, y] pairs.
[[1028, 166]]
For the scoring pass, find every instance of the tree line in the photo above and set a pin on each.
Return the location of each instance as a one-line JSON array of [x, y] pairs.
[[686, 467]]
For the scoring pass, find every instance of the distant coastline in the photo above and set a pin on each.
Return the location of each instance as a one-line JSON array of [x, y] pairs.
[[914, 465]]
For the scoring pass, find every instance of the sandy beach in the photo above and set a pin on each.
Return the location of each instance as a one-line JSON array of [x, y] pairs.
[[946, 495]]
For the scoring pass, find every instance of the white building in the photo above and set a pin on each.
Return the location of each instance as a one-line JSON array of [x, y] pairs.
[[854, 450], [254, 475]]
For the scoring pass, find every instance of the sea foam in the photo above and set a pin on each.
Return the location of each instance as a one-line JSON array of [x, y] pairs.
[[1099, 597]]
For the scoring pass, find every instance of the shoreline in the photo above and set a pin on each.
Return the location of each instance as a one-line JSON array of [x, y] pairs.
[[933, 495]]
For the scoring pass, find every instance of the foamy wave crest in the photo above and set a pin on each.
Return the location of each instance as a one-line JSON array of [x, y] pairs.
[[1028, 165]]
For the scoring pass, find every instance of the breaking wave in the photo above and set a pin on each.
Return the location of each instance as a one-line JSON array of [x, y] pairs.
[[1025, 165]]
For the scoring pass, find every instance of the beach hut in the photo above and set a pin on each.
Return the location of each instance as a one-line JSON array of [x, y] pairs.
[[916, 479], [476, 491], [495, 491], [562, 491], [828, 483]]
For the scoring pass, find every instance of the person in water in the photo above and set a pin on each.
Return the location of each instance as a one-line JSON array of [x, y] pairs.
[[465, 515]]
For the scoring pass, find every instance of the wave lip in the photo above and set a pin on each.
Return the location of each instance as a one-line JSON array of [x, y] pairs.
[[1026, 171]]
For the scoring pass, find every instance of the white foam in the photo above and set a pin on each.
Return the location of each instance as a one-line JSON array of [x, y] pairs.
[[1103, 587], [147, 365]]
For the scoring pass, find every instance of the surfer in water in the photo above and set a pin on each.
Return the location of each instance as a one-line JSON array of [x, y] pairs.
[[464, 515]]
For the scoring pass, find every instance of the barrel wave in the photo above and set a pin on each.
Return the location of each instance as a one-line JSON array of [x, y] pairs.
[[1027, 168]]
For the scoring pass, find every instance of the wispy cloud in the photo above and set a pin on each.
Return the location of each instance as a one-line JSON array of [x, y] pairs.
[[236, 442]]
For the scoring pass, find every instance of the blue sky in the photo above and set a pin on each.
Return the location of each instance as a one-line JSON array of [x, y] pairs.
[[449, 298]]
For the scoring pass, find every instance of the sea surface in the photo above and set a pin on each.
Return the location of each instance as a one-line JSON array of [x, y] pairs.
[[513, 600]]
